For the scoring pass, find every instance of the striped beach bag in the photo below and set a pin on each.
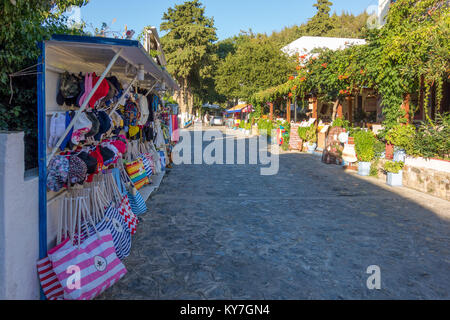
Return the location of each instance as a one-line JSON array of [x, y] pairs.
[[162, 157], [87, 271], [137, 203], [114, 222]]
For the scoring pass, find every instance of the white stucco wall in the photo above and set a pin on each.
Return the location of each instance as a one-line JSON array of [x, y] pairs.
[[19, 244]]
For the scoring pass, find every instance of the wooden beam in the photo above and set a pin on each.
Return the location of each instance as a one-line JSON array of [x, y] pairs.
[[406, 107], [288, 110], [271, 111], [350, 109], [339, 111], [314, 113]]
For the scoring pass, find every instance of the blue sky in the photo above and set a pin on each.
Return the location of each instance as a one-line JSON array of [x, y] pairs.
[[231, 16]]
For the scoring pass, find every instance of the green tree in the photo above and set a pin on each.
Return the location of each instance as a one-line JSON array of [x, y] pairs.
[[189, 48], [321, 23], [257, 64], [23, 24]]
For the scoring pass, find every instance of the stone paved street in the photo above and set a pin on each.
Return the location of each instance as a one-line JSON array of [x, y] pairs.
[[309, 232]]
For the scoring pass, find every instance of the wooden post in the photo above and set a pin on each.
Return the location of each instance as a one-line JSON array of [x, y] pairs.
[[271, 111], [421, 98], [314, 113], [405, 106], [339, 111], [288, 110], [350, 109], [295, 110]]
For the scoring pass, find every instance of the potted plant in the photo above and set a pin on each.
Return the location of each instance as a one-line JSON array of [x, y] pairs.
[[394, 171], [311, 137], [402, 137], [365, 150]]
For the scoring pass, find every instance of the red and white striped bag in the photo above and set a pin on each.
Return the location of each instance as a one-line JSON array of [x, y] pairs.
[[49, 282], [129, 217]]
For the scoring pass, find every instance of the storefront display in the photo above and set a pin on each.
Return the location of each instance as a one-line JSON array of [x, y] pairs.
[[107, 137]]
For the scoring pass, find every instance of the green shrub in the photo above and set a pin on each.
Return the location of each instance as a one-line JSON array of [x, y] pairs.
[[341, 123], [364, 145], [432, 140], [393, 167], [302, 132], [311, 134], [403, 137]]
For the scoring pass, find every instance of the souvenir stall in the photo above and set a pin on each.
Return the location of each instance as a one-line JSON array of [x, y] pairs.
[[104, 137]]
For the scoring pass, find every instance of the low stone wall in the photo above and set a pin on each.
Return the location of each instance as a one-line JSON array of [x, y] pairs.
[[433, 182]]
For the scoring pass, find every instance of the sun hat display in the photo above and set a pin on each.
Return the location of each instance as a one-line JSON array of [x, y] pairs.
[[77, 170], [105, 124], [95, 124], [82, 126], [57, 128], [101, 92], [57, 173], [90, 161], [68, 89], [107, 155]]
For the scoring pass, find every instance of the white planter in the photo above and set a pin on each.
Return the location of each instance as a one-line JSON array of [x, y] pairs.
[[364, 168], [395, 179]]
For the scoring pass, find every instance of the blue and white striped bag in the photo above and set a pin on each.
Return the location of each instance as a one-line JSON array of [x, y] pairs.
[[162, 157], [147, 166], [114, 222], [137, 203]]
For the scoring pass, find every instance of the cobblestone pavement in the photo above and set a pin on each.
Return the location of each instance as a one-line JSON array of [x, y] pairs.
[[309, 232]]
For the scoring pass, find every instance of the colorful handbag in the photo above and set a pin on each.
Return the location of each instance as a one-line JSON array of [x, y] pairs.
[[136, 172], [95, 261]]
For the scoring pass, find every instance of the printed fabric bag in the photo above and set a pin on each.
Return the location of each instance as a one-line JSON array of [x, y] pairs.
[[136, 172], [95, 260], [135, 169], [135, 199], [114, 222], [146, 160], [130, 218]]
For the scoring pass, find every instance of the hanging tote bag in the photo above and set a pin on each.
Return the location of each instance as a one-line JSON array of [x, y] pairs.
[[130, 219], [49, 281], [115, 224], [136, 172], [136, 201], [96, 261], [135, 169], [162, 157]]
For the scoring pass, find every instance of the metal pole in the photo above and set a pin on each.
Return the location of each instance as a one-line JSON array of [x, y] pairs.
[[85, 103]]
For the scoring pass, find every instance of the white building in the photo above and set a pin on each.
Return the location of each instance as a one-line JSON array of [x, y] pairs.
[[383, 9], [305, 45]]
